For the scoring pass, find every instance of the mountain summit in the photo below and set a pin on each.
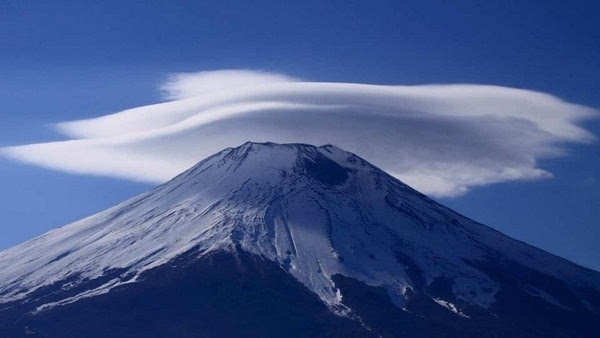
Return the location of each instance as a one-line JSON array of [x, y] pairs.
[[289, 239]]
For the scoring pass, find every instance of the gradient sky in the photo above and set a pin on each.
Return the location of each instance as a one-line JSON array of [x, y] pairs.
[[73, 60]]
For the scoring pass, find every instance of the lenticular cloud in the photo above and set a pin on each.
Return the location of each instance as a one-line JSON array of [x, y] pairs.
[[440, 139]]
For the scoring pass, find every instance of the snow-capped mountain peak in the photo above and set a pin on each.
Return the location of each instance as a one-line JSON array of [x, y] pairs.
[[317, 212]]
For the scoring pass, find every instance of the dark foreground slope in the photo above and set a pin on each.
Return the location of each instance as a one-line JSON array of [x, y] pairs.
[[236, 294], [269, 240], [223, 294]]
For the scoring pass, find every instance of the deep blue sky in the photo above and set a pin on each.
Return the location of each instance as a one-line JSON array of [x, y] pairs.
[[76, 59]]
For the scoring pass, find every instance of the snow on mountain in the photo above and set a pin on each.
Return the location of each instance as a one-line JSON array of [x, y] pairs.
[[317, 212]]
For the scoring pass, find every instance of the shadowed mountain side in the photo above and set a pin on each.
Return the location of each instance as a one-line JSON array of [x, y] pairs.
[[224, 294]]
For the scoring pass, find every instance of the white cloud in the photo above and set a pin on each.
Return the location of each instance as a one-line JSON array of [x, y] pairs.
[[184, 85], [440, 139]]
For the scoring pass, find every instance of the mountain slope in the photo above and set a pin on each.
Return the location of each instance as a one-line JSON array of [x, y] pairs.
[[340, 233]]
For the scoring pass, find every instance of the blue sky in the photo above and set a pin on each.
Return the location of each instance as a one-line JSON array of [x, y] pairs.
[[74, 60]]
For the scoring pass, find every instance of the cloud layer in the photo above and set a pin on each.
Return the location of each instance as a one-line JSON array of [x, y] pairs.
[[440, 139]]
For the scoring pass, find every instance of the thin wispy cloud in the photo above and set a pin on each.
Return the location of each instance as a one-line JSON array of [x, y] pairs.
[[440, 139]]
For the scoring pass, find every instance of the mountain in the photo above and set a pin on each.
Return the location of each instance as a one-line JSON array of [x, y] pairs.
[[271, 240]]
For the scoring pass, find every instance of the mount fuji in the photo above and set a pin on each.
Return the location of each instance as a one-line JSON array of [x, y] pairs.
[[271, 240]]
